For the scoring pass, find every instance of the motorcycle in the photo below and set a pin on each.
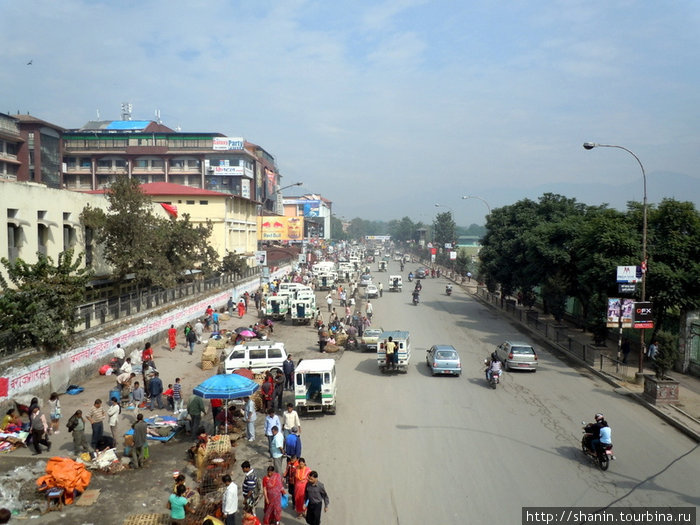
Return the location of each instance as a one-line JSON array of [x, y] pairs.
[[448, 290], [495, 375], [410, 277], [602, 456], [415, 299]]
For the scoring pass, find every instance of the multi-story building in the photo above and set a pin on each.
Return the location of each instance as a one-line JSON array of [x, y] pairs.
[[233, 218], [10, 143], [316, 211], [151, 152]]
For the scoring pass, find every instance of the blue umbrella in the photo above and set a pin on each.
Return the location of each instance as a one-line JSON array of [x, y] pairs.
[[226, 386]]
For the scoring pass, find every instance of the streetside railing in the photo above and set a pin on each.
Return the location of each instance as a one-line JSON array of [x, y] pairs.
[[614, 367], [552, 331]]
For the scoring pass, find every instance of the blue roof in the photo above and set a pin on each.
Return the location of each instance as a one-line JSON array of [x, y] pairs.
[[128, 124]]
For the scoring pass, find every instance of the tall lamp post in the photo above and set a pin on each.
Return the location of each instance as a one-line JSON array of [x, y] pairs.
[[590, 146], [279, 192], [476, 197]]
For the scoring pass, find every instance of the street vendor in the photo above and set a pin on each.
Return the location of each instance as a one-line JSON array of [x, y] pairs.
[[11, 422]]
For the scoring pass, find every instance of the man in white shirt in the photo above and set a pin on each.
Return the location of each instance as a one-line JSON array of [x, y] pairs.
[[229, 502], [271, 420], [290, 419], [126, 368], [119, 353]]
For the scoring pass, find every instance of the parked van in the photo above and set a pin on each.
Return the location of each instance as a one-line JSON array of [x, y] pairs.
[[403, 350], [276, 306], [260, 356], [293, 288], [303, 310], [315, 386]]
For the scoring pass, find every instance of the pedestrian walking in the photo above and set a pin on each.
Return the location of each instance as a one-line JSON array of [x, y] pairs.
[[140, 432], [300, 481], [191, 339], [199, 330], [229, 502], [279, 388], [155, 390], [369, 310], [250, 486], [172, 337], [229, 305], [215, 321], [249, 416], [288, 369], [54, 412], [96, 417], [626, 348], [290, 420], [272, 490], [271, 420], [39, 430], [329, 301], [653, 349], [381, 290], [137, 395], [292, 443], [317, 497], [113, 412], [177, 396], [241, 308], [277, 449], [76, 426]]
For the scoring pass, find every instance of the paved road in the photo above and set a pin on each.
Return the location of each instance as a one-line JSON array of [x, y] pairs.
[[414, 449]]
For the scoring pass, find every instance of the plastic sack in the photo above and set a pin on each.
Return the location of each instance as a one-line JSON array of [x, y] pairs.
[[104, 368], [284, 500]]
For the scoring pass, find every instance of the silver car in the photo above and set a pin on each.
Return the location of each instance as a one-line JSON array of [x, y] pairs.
[[517, 356], [443, 360]]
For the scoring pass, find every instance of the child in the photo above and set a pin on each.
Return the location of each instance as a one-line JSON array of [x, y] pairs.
[[169, 397], [55, 412]]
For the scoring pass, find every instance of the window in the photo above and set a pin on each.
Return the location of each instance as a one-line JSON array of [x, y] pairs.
[[274, 353], [203, 203], [85, 162], [189, 202], [257, 354], [237, 354], [104, 163]]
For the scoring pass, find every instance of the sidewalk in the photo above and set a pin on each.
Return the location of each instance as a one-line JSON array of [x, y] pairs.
[[573, 342]]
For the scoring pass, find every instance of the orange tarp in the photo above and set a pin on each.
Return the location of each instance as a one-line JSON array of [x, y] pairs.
[[66, 474]]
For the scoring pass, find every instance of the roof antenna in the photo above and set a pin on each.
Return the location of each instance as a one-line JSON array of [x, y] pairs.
[[158, 116], [98, 114]]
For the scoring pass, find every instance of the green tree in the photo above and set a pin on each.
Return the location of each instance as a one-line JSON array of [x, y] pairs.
[[673, 278], [337, 233], [233, 263], [39, 310], [157, 251], [444, 229]]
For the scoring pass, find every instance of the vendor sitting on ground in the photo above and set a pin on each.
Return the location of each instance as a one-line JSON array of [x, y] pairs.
[[104, 443], [227, 417], [11, 423]]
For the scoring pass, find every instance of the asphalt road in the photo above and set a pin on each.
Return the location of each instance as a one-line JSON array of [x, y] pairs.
[[415, 449]]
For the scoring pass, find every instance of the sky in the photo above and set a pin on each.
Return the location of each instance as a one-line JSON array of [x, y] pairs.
[[389, 107]]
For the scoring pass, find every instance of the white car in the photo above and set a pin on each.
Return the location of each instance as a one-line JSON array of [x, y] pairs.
[[372, 291], [365, 279]]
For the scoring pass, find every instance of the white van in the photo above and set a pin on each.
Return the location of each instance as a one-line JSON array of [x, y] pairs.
[[259, 356], [315, 386], [403, 351]]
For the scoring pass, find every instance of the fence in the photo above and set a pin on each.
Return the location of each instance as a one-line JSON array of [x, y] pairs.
[[614, 367], [105, 311], [552, 331]]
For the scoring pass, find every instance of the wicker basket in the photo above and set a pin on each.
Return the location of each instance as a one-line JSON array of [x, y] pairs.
[[207, 365], [147, 519]]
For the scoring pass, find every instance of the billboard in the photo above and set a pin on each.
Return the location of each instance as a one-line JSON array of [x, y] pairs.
[[312, 208], [642, 315], [275, 228], [228, 143], [629, 274], [613, 317]]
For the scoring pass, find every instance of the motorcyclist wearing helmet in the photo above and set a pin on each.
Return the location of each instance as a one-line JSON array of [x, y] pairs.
[[593, 430], [416, 295], [604, 439], [494, 366], [410, 276]]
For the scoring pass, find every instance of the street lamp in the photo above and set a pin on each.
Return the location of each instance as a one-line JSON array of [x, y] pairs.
[[589, 146], [278, 194], [476, 197]]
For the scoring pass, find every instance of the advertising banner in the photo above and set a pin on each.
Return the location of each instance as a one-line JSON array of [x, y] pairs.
[[629, 274], [228, 143], [277, 228], [261, 258], [312, 208], [615, 304], [642, 315]]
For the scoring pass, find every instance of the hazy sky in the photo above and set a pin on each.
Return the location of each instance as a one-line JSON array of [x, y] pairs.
[[388, 107]]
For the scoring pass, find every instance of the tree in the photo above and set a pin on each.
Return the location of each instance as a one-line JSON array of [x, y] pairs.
[[157, 251], [39, 310], [233, 263], [337, 232], [673, 278], [444, 229]]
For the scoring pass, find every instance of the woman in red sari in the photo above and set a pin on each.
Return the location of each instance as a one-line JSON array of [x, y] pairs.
[[241, 308], [172, 337], [272, 490], [302, 476]]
